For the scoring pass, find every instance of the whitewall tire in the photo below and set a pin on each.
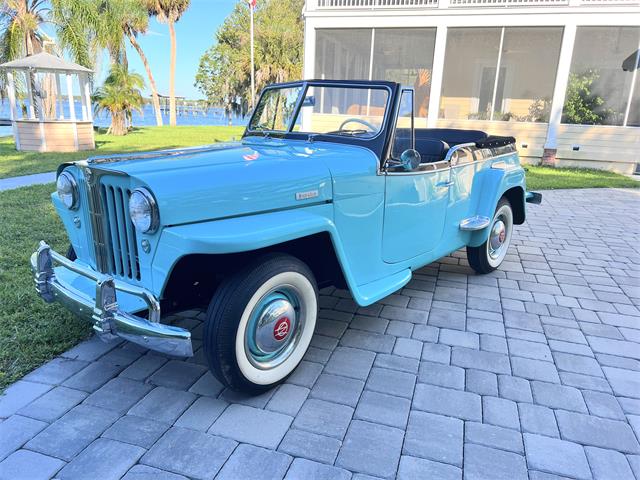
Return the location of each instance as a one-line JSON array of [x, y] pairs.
[[490, 255], [260, 323]]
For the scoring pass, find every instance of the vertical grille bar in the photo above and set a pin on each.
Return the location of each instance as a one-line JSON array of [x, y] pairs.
[[122, 232], [113, 230], [131, 236]]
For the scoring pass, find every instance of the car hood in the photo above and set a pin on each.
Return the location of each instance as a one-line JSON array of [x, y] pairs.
[[227, 180]]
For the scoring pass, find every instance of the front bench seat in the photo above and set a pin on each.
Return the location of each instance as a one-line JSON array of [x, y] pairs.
[[431, 150]]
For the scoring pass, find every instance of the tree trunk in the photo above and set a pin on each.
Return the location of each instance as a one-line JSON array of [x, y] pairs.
[[118, 123], [172, 75], [152, 82]]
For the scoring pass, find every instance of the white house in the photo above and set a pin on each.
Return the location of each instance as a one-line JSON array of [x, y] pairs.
[[559, 75]]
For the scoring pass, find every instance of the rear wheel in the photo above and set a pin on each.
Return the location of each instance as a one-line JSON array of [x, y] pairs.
[[488, 256], [260, 322]]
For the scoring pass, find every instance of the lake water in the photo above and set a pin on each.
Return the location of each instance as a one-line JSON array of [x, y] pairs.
[[210, 116]]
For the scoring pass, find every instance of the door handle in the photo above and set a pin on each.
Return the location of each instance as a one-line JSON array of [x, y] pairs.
[[444, 184]]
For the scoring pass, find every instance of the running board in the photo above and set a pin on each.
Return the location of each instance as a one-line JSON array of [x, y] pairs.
[[474, 223]]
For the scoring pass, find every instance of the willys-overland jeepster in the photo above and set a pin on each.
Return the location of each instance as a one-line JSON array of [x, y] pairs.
[[331, 184]]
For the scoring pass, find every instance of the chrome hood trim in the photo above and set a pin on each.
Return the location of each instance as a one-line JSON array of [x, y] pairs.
[[128, 157]]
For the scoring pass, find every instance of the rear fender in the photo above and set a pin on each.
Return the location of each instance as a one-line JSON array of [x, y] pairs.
[[496, 183]]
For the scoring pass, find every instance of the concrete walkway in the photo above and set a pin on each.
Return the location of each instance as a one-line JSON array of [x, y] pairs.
[[26, 180], [529, 373]]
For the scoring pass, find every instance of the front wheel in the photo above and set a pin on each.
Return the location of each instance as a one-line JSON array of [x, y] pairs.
[[488, 256], [260, 322]]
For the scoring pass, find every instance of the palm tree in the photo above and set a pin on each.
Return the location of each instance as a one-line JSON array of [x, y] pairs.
[[86, 26], [135, 22], [76, 23], [20, 24], [120, 95], [169, 12]]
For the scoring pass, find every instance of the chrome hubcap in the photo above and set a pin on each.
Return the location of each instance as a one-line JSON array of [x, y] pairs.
[[274, 327], [497, 238]]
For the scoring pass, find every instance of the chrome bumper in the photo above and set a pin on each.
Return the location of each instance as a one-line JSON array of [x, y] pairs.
[[108, 320]]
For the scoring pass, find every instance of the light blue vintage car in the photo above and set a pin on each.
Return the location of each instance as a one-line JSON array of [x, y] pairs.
[[331, 184]]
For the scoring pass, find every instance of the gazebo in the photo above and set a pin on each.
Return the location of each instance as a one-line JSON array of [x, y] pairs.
[[42, 123]]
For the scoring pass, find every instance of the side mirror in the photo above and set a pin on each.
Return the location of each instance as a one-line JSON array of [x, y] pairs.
[[410, 159]]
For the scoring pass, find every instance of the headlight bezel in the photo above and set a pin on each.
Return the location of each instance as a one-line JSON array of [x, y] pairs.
[[154, 215], [75, 194]]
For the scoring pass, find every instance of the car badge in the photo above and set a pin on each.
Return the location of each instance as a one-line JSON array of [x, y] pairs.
[[307, 195]]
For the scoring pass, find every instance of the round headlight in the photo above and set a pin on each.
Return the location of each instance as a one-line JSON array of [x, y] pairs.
[[143, 210], [67, 190]]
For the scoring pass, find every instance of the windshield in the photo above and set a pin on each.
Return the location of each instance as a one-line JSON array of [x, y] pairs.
[[325, 109]]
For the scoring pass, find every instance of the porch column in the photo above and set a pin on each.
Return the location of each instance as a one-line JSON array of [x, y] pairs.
[[59, 106], [436, 76], [634, 79], [309, 50], [41, 117], [87, 96], [559, 92], [72, 109], [12, 108], [32, 109]]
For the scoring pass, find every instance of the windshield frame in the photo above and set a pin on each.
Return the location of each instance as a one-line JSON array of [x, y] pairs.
[[389, 87]]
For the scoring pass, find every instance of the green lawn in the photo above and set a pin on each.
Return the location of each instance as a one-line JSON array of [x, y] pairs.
[[31, 331], [14, 163], [545, 178]]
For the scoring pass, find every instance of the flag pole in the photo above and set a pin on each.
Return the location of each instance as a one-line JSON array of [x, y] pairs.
[[253, 82]]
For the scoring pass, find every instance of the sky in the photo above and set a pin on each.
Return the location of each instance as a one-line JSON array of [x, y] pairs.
[[194, 34]]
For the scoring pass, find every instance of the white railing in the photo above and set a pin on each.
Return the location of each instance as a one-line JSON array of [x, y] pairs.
[[610, 2], [347, 4], [382, 4], [505, 3]]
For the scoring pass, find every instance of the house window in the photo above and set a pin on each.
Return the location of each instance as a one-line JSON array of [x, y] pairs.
[[343, 54], [405, 55], [600, 90], [529, 58], [468, 80], [526, 60]]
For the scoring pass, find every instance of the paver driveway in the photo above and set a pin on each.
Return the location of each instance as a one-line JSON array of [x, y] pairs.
[[531, 372]]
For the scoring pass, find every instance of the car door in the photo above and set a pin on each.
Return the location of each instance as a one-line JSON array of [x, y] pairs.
[[415, 204]]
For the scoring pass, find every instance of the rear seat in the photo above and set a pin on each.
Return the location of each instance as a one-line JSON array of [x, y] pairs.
[[451, 136]]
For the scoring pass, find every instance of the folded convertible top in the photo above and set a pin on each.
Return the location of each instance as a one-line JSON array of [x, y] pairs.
[[493, 141]]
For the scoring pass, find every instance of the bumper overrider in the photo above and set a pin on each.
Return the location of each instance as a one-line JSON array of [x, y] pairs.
[[109, 321]]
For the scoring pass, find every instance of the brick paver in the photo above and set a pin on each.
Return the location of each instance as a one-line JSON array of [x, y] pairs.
[[530, 372]]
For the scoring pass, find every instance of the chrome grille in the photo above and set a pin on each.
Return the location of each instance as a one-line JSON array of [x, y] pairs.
[[121, 234], [114, 237]]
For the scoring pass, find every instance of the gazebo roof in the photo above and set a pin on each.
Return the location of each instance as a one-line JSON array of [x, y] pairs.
[[44, 61]]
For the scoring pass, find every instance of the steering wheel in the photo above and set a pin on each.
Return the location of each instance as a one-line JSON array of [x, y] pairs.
[[360, 121]]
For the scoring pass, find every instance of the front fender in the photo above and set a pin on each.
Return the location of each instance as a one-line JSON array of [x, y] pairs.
[[243, 234]]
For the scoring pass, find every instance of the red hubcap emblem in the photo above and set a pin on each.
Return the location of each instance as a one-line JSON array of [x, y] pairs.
[[281, 328]]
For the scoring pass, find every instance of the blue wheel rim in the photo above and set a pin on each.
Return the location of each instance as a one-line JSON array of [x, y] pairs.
[[259, 356]]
